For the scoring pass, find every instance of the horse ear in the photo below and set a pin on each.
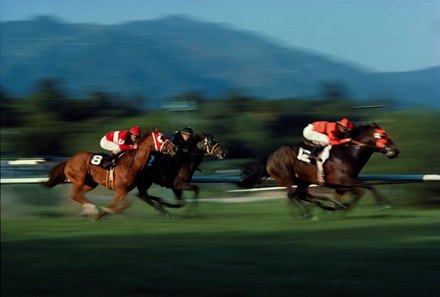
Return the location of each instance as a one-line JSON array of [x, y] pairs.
[[204, 133], [154, 130]]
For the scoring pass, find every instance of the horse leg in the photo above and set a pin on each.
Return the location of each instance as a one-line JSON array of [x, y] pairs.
[[299, 197], [155, 202], [113, 207], [193, 207], [382, 202], [357, 195], [178, 193], [291, 194], [180, 185], [77, 194]]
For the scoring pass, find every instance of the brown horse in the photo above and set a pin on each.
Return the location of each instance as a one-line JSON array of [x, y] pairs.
[[176, 172], [84, 171], [289, 166]]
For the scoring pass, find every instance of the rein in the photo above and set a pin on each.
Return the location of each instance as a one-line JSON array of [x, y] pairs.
[[134, 157], [214, 147], [355, 142], [131, 163]]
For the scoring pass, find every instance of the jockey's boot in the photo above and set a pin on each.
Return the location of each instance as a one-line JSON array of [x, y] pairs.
[[315, 151], [110, 162]]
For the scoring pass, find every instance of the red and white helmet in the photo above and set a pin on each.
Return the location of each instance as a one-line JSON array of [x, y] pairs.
[[136, 130], [346, 123]]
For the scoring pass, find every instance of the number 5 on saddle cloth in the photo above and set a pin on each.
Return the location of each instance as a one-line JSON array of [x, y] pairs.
[[304, 152]]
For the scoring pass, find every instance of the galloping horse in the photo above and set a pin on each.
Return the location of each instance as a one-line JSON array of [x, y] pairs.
[[340, 170], [175, 173], [83, 170]]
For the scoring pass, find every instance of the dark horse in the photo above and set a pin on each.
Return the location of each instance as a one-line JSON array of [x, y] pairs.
[[340, 170], [176, 172], [84, 171]]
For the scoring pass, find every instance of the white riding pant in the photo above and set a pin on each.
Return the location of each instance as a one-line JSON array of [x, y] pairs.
[[110, 146], [315, 137]]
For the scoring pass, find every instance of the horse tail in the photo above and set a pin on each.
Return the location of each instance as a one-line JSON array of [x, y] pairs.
[[251, 175], [56, 175]]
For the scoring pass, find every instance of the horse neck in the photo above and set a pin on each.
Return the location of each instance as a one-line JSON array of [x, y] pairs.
[[146, 146], [355, 157], [359, 151]]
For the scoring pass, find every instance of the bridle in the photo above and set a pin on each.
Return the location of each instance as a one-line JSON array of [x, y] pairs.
[[382, 140], [207, 146], [164, 148]]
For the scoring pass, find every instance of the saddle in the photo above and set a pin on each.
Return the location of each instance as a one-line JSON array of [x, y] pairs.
[[305, 148], [99, 159]]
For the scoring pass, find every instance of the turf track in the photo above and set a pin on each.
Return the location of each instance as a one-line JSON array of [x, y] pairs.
[[239, 249]]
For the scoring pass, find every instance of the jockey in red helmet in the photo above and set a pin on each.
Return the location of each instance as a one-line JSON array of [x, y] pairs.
[[323, 133], [119, 141]]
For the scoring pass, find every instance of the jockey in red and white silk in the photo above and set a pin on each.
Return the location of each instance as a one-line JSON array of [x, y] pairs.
[[118, 141]]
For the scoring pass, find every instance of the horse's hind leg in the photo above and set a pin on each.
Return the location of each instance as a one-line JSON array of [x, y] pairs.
[[296, 196]]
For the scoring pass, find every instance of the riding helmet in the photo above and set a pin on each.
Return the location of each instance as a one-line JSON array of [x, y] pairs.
[[346, 123], [136, 130], [187, 130]]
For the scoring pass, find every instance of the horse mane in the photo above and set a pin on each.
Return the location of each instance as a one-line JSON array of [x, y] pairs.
[[146, 134], [197, 138], [362, 127]]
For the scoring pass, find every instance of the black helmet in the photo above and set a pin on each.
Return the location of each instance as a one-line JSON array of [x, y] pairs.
[[187, 130]]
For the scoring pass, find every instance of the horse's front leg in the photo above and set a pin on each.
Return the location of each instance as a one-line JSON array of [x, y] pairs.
[[382, 202], [114, 205], [178, 191], [155, 202], [180, 185], [77, 194]]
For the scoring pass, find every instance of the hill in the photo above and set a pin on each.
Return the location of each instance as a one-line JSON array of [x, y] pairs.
[[162, 58]]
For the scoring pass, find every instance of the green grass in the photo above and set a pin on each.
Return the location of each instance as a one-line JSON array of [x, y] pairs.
[[240, 249]]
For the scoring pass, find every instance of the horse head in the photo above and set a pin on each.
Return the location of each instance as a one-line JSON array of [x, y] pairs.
[[211, 146], [376, 138], [160, 143]]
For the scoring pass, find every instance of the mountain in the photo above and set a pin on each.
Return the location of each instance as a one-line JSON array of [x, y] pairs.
[[161, 58]]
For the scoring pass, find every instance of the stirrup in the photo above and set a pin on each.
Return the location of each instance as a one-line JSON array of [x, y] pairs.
[[108, 165], [316, 158]]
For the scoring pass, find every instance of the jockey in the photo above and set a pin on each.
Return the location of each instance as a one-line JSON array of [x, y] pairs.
[[323, 133], [182, 139], [119, 141]]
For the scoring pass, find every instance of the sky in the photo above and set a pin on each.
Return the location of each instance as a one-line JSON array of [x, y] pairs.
[[379, 35]]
